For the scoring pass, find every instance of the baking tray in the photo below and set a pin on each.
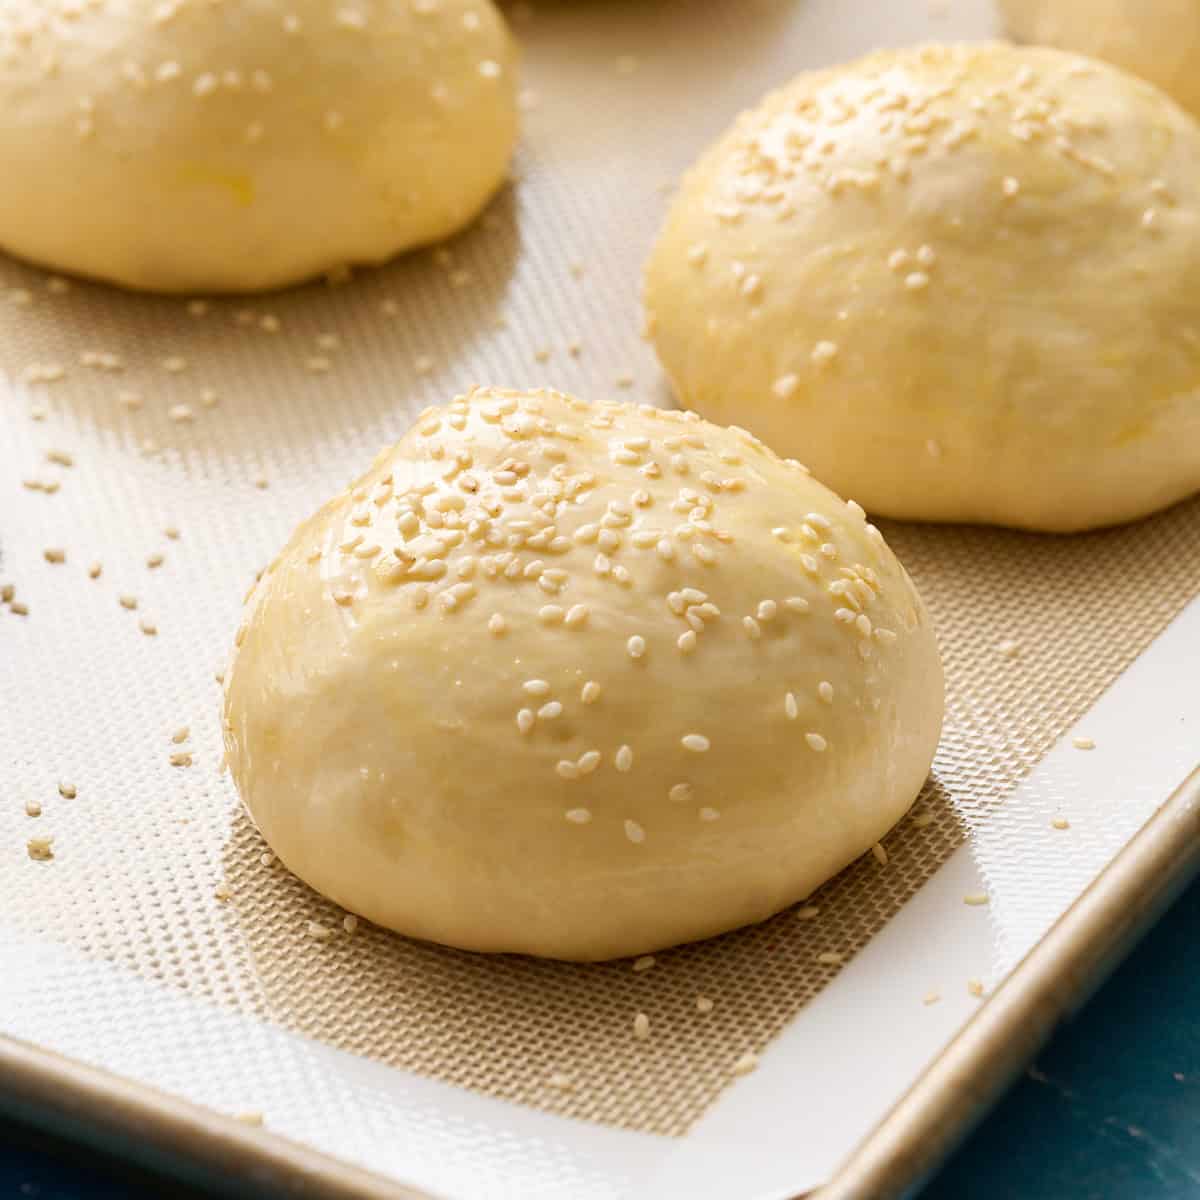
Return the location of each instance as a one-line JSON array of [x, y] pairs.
[[156, 977]]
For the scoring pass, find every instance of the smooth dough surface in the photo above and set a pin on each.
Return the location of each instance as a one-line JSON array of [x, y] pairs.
[[960, 283], [579, 681], [1156, 39], [236, 145]]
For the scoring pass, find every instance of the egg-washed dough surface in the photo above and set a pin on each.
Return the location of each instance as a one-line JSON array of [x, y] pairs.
[[142, 851]]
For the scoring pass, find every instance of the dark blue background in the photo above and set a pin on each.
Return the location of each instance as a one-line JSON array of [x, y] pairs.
[[1112, 1108]]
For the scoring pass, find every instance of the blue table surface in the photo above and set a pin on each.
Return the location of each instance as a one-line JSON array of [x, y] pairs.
[[1111, 1109]]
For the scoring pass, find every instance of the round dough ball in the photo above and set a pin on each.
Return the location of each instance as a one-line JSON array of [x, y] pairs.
[[1156, 39], [960, 283], [208, 145], [579, 681]]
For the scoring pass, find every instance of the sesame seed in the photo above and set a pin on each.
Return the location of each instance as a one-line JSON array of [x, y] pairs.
[[747, 1063], [816, 742], [624, 759], [680, 793], [67, 791], [641, 1027], [33, 808], [566, 769], [548, 712], [697, 743], [824, 353], [931, 998], [636, 646], [797, 604], [917, 281], [687, 642], [317, 931], [752, 628], [880, 853], [644, 963], [1083, 743], [825, 691], [525, 720], [808, 913], [590, 692], [349, 922], [1060, 823], [497, 626], [709, 814], [830, 958], [975, 987], [40, 849], [703, 1004], [54, 555], [536, 687], [578, 816], [589, 760], [148, 627], [976, 899], [1009, 649], [790, 707], [634, 832]]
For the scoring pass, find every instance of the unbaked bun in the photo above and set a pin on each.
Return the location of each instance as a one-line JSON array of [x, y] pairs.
[[214, 145], [960, 283], [579, 681], [1156, 39]]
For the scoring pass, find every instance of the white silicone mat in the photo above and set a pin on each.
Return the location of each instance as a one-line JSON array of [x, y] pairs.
[[225, 422]]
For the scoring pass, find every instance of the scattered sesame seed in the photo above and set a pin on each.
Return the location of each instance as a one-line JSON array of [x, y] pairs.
[[1061, 823], [634, 832], [154, 560], [181, 758], [624, 759], [590, 692], [976, 898], [1083, 743], [67, 791], [975, 987], [578, 816], [1009, 649], [747, 1063], [703, 1004], [317, 931], [40, 849], [266, 859], [148, 627], [830, 958], [222, 892], [697, 743], [548, 712], [54, 555], [931, 998], [644, 963], [33, 808], [349, 922], [808, 913], [816, 742], [880, 853], [636, 646]]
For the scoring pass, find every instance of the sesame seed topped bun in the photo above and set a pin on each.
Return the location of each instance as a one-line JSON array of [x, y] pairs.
[[579, 681], [193, 145], [962, 283]]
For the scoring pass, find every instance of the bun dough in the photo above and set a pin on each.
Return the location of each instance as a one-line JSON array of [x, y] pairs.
[[1156, 39], [208, 145], [525, 685], [960, 283]]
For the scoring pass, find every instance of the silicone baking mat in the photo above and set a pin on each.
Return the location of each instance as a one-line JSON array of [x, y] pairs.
[[154, 453]]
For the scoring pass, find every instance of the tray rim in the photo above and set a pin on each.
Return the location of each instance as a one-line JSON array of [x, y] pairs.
[[952, 1094]]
